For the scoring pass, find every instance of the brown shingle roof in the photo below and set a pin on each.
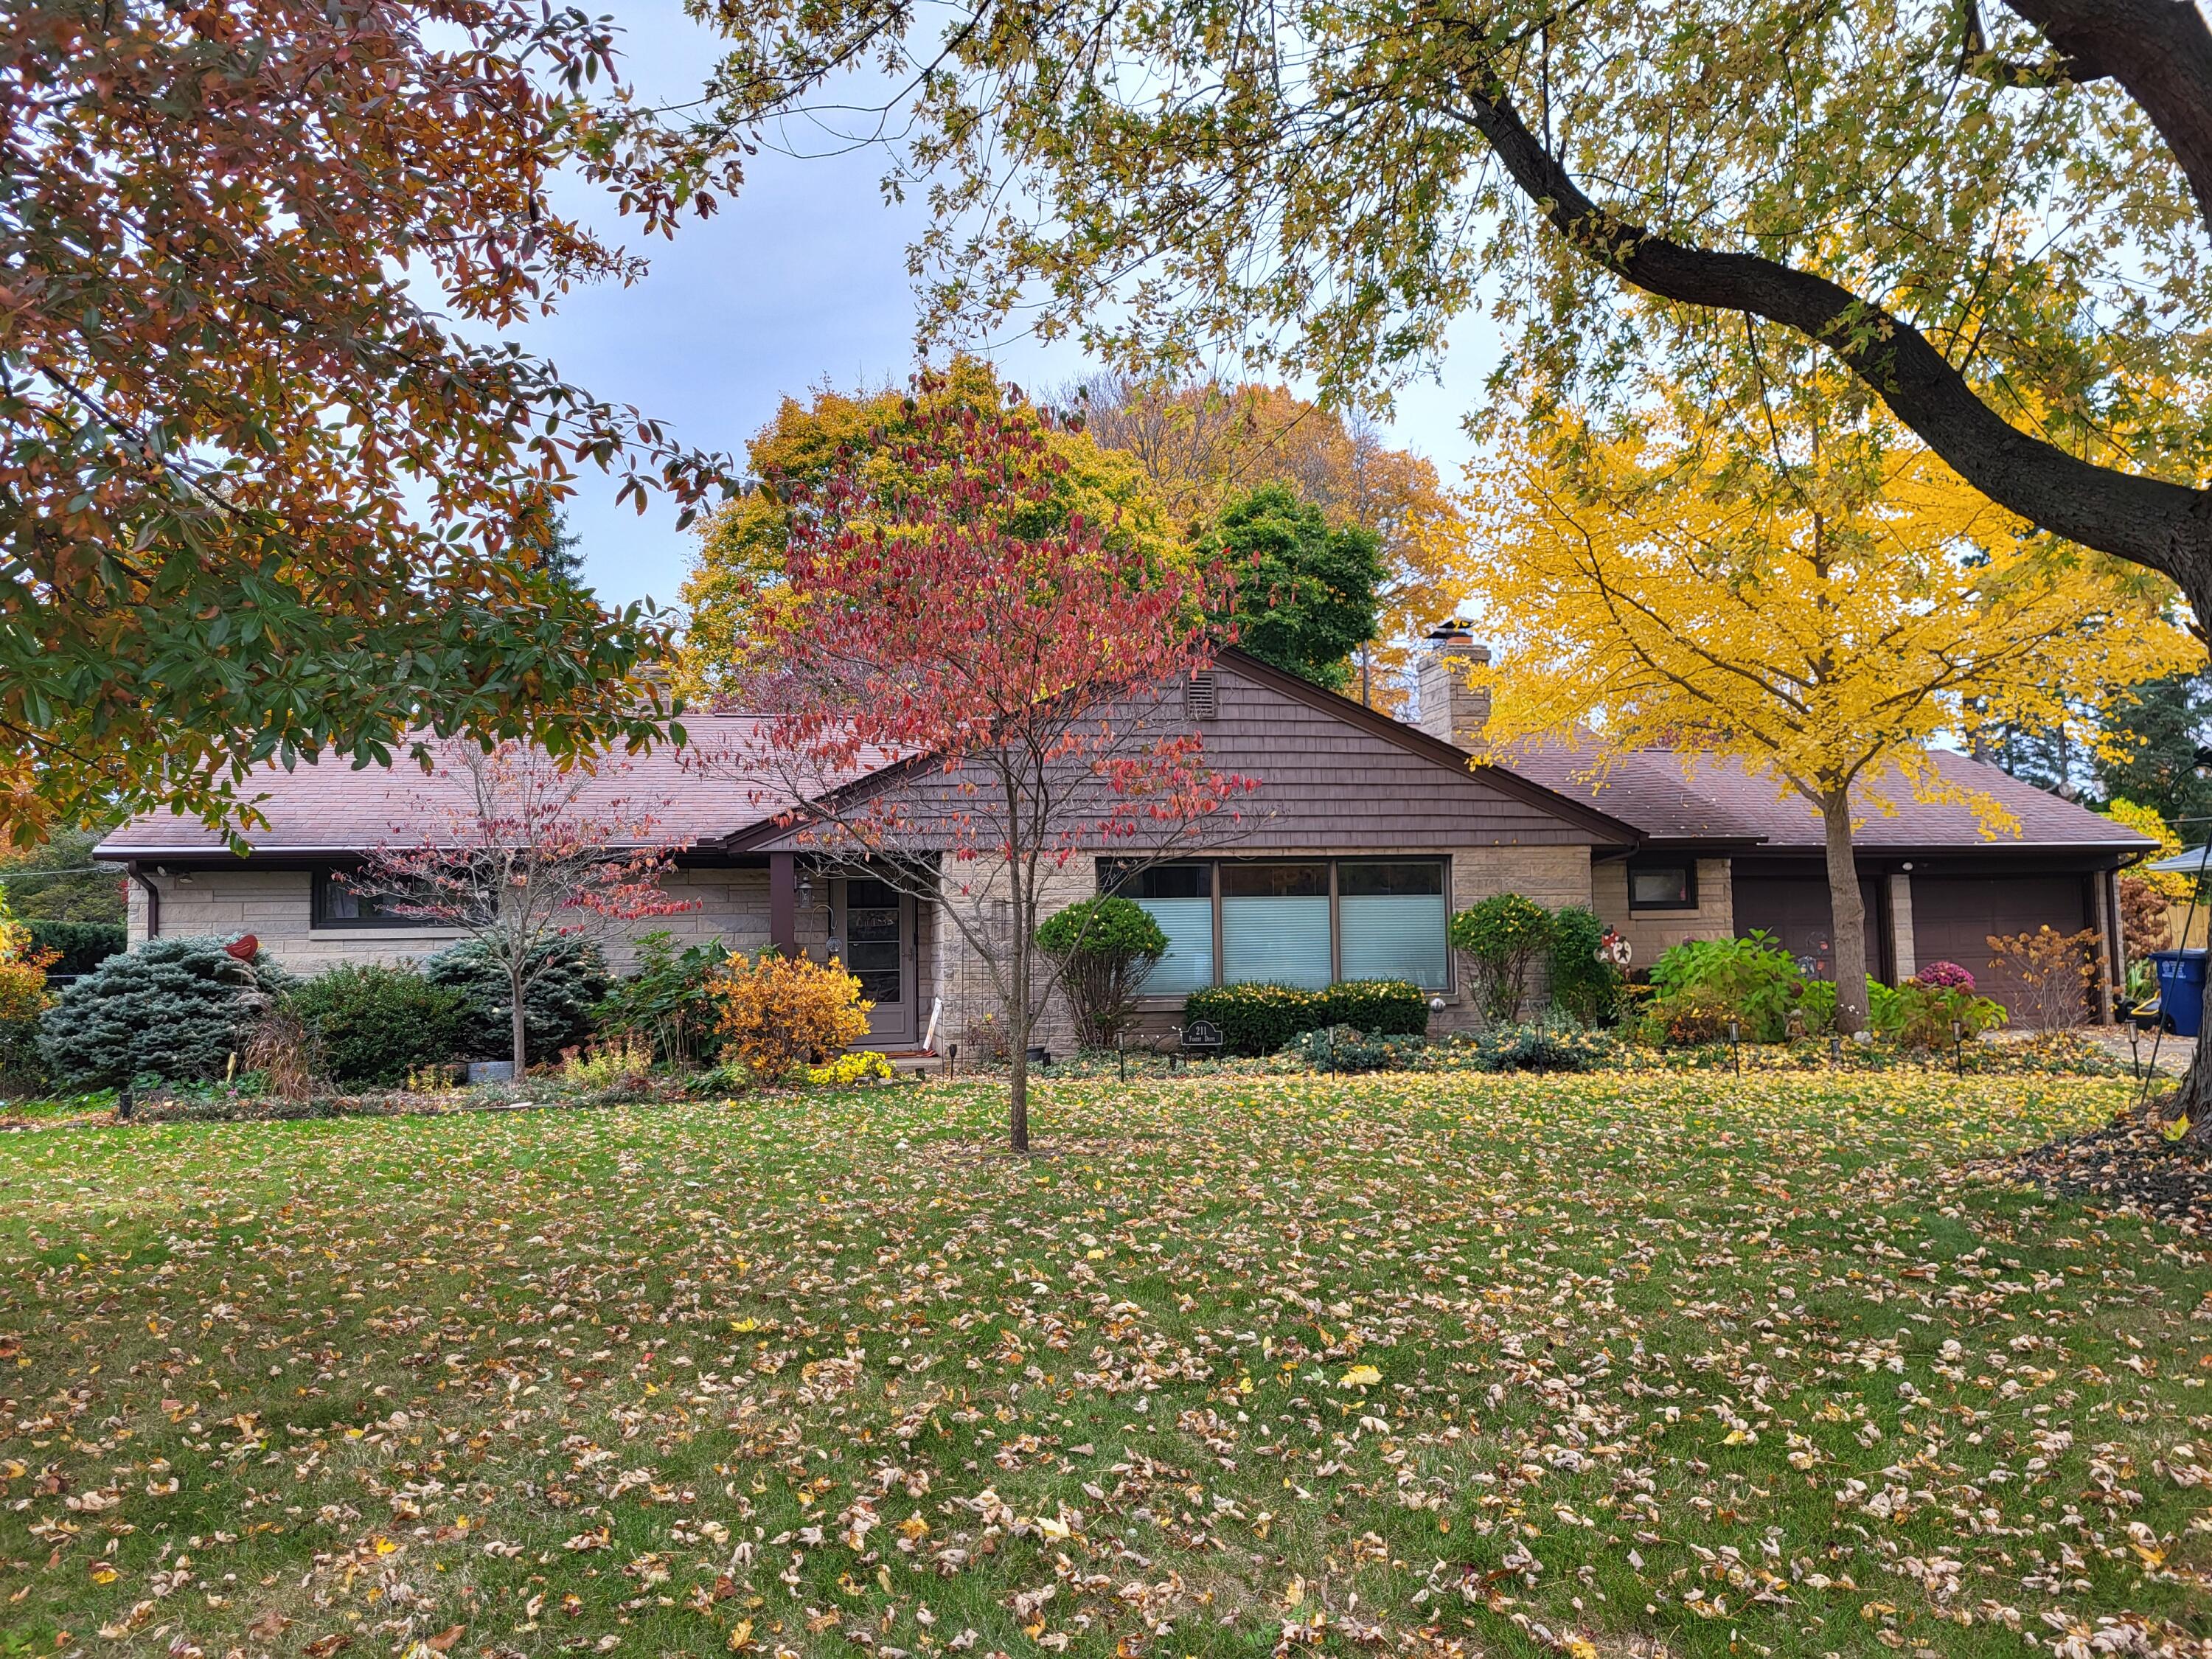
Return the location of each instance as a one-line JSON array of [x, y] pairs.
[[1671, 795], [333, 806]]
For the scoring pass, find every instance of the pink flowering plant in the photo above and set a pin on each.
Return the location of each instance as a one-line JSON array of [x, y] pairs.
[[1945, 976]]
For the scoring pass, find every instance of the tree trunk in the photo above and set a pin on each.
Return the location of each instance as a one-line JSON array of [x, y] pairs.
[[1017, 1030], [1847, 914], [2192, 1098], [1017, 1098], [521, 1027]]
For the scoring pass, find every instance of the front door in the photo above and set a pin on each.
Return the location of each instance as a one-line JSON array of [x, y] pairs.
[[875, 921]]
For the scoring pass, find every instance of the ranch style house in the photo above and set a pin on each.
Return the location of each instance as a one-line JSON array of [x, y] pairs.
[[1365, 833]]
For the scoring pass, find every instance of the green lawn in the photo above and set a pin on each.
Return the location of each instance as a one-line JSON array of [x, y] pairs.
[[1441, 1366]]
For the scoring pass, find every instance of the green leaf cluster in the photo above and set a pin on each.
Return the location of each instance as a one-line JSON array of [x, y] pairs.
[[665, 1000], [1504, 935], [1707, 982], [374, 1024], [1306, 595]]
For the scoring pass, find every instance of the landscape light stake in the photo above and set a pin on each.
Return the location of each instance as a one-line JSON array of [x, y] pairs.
[[951, 1060], [1835, 1048], [1121, 1054], [1959, 1047], [1736, 1054]]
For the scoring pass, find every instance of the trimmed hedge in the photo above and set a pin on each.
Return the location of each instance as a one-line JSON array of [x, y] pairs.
[[83, 944], [1380, 1007], [1260, 1019]]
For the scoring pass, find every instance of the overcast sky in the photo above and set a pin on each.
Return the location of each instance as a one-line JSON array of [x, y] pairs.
[[801, 279]]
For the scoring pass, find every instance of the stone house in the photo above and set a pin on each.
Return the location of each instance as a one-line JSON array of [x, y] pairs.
[[1365, 834]]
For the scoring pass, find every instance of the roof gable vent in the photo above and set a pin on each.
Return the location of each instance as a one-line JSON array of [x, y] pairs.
[[1201, 696]]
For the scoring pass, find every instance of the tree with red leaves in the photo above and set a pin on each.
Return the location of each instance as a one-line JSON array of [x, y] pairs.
[[967, 692], [523, 849]]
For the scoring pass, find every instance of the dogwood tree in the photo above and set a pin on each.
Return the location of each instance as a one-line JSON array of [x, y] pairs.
[[964, 710], [518, 849]]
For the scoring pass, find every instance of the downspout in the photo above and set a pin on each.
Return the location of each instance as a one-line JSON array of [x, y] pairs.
[[152, 900]]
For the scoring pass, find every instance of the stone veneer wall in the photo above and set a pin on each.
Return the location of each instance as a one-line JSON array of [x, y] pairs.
[[275, 906], [1649, 932]]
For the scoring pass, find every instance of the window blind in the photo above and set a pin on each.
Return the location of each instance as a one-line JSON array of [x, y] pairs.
[[1394, 936], [1188, 963], [1283, 940]]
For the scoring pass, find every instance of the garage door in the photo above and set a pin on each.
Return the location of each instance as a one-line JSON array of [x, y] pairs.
[[1954, 916], [1795, 909]]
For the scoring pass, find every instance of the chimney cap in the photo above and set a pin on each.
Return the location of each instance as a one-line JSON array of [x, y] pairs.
[[1457, 628]]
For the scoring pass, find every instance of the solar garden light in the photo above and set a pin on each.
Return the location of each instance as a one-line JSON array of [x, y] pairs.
[[1736, 1054]]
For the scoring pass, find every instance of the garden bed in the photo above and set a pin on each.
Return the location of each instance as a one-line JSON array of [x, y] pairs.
[[2128, 1166]]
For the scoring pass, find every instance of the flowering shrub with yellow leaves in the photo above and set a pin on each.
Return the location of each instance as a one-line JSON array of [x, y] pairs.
[[23, 995], [778, 1013]]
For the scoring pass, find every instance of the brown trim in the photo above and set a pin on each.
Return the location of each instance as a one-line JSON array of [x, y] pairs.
[[152, 899], [1701, 847], [783, 903], [2119, 854]]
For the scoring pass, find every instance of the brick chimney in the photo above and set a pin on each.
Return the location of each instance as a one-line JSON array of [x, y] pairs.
[[1449, 707]]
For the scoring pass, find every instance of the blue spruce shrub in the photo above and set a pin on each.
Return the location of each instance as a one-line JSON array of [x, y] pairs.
[[176, 1009]]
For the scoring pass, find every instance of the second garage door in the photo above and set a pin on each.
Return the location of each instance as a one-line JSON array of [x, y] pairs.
[[1953, 917]]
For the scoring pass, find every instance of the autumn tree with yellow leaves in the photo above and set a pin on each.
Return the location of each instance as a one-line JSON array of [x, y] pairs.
[[1802, 588], [741, 546]]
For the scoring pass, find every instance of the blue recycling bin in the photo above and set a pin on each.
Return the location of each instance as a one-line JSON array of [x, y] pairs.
[[2181, 990]]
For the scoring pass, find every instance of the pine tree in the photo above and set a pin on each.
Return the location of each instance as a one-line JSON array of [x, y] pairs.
[[2164, 724], [561, 555]]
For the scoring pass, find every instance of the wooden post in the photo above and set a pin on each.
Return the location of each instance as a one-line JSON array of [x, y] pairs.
[[783, 903]]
